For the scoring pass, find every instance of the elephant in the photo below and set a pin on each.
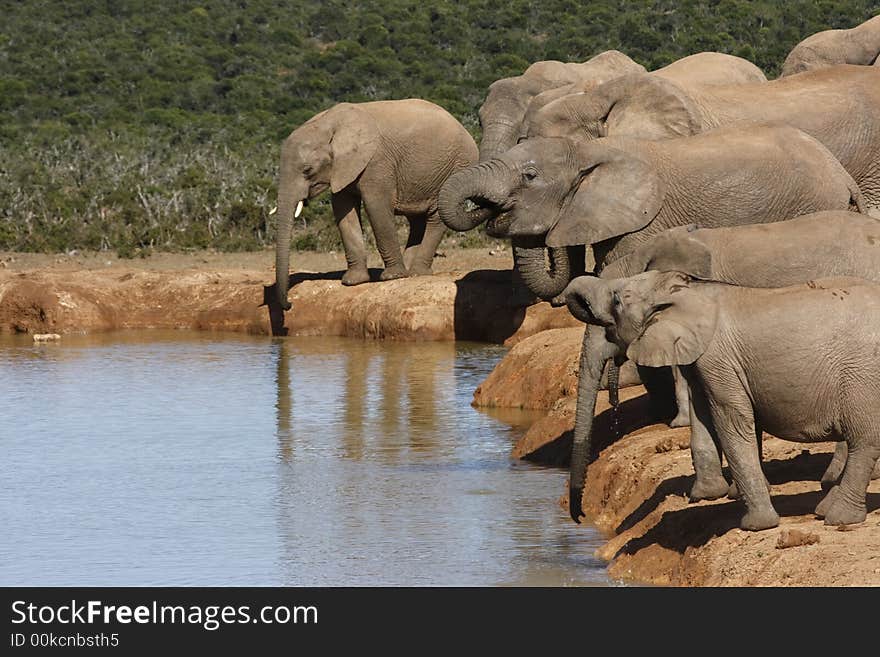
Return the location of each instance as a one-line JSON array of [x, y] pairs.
[[502, 112], [392, 155], [701, 69], [818, 245], [617, 193], [799, 362], [858, 45], [839, 106]]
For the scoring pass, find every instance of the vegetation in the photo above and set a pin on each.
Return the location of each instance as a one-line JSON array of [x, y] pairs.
[[129, 125]]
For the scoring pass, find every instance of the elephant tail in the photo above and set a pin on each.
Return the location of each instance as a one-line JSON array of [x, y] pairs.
[[857, 202]]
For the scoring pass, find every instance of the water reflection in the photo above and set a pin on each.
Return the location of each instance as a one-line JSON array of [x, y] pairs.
[[161, 463]]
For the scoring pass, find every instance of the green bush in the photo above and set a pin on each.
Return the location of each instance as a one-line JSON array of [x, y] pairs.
[[135, 126]]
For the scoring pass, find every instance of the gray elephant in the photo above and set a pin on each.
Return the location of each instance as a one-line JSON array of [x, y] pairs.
[[839, 106], [701, 69], [616, 194], [858, 45], [781, 254], [501, 114], [799, 362], [391, 155]]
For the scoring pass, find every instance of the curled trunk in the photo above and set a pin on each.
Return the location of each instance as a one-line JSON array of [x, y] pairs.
[[469, 197], [545, 271]]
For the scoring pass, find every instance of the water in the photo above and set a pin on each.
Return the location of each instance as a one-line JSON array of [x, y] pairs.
[[170, 458]]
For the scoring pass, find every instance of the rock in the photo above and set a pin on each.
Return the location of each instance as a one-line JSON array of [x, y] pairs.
[[46, 337], [789, 538]]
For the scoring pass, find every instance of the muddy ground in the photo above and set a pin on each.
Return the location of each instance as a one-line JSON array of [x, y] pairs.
[[636, 487]]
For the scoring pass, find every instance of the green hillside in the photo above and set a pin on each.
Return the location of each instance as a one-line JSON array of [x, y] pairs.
[[131, 125]]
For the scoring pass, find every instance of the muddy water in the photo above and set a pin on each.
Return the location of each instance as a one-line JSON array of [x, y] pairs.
[[175, 458]]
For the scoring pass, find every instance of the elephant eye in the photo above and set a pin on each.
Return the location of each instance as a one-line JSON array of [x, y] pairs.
[[616, 299], [529, 175]]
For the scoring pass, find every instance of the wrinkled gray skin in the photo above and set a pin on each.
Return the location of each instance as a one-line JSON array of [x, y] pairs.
[[839, 106], [510, 101], [819, 245], [617, 193], [803, 359], [701, 69], [501, 115], [391, 155], [859, 45]]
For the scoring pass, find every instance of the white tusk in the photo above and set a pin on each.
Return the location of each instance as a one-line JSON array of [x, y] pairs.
[[273, 210], [298, 211]]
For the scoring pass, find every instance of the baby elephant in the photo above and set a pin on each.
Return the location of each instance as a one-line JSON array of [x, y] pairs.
[[799, 362]]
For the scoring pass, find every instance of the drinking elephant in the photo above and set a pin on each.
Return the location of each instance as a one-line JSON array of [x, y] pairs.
[[819, 245], [618, 193], [392, 155], [858, 45], [799, 362], [839, 106]]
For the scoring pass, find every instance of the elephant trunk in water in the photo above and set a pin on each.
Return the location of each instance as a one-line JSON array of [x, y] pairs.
[[545, 280], [290, 204]]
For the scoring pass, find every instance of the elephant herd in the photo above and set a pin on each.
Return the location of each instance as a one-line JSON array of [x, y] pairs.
[[733, 223]]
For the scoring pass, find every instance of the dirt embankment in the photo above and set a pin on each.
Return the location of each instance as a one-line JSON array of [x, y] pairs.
[[636, 489], [42, 294]]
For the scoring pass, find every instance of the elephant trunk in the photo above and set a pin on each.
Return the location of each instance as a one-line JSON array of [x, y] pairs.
[[547, 280], [471, 196], [290, 203], [592, 364], [498, 138]]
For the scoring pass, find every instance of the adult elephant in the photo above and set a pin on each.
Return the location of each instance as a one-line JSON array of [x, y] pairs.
[[701, 69], [391, 155], [839, 106], [502, 113], [617, 193], [858, 45]]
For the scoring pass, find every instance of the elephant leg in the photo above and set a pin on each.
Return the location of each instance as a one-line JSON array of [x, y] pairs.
[[417, 227], [735, 424], [595, 352], [831, 477], [709, 482], [429, 241], [844, 504], [347, 211], [682, 417], [381, 216], [733, 491]]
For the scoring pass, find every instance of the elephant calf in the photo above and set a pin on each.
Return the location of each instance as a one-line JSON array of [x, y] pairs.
[[800, 362], [818, 245], [391, 155]]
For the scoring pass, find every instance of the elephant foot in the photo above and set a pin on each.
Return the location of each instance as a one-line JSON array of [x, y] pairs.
[[837, 510], [420, 270], [356, 276], [708, 489], [394, 272], [758, 519], [681, 420]]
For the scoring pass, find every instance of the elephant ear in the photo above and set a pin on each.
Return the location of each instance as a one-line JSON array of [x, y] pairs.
[[354, 142], [679, 324], [649, 106], [679, 249], [615, 193]]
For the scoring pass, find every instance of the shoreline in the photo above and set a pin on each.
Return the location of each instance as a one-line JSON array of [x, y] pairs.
[[635, 493]]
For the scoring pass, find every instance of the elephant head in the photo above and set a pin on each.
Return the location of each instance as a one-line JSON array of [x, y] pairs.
[[329, 150], [638, 105], [655, 318], [554, 193], [503, 114]]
